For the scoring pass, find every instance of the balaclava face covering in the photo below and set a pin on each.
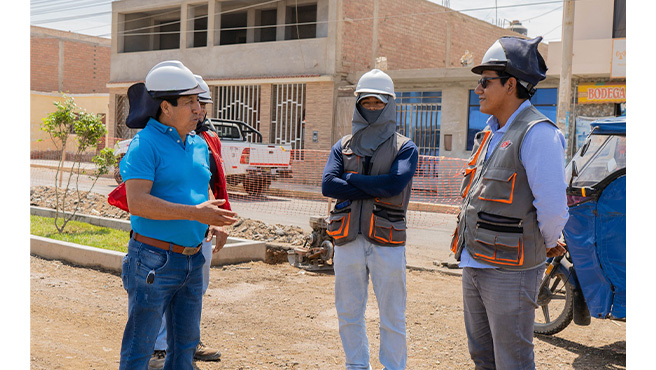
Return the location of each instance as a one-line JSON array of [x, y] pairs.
[[372, 128]]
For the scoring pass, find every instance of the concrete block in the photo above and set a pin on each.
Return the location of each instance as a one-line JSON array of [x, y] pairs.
[[77, 254], [238, 250]]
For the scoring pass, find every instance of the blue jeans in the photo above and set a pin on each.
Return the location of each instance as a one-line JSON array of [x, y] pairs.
[[499, 309], [176, 289], [354, 262], [160, 343]]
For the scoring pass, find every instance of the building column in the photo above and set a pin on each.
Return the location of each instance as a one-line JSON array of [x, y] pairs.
[[454, 121], [250, 23], [211, 9], [265, 112], [184, 23]]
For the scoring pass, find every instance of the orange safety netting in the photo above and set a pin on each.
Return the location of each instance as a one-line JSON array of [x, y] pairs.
[[294, 188]]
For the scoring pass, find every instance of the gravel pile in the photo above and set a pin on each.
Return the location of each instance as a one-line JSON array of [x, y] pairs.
[[96, 205]]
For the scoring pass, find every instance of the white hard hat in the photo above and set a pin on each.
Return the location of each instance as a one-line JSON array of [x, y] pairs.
[[171, 79], [375, 82], [203, 97]]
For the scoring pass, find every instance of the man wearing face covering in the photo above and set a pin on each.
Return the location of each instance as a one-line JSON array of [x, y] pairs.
[[369, 173]]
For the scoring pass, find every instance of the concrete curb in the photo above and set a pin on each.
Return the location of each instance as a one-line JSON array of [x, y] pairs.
[[236, 250]]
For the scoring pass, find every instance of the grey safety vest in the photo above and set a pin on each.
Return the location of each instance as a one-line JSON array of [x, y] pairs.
[[381, 220], [498, 222]]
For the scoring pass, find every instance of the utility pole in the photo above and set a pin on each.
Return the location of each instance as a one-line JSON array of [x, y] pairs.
[[564, 116]]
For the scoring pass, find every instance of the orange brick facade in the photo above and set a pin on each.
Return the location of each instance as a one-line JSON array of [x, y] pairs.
[[411, 34], [68, 62]]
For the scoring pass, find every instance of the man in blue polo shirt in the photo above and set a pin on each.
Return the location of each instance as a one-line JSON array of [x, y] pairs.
[[166, 173]]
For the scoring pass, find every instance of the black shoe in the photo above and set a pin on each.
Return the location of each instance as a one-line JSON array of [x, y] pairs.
[[156, 361], [206, 354]]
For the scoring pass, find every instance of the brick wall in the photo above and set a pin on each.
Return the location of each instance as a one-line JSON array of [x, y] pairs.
[[411, 34], [84, 68], [319, 115], [44, 64], [357, 35]]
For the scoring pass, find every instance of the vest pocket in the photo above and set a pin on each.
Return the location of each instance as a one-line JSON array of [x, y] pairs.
[[466, 181], [499, 247], [388, 232], [338, 224], [498, 185]]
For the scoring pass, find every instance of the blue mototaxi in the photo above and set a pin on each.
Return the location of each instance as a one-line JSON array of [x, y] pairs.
[[590, 280]]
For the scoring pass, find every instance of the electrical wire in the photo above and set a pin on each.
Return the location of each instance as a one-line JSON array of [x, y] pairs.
[[78, 6], [541, 15], [441, 11]]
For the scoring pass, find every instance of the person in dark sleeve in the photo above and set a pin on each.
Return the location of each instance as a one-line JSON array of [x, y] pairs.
[[218, 188], [370, 173]]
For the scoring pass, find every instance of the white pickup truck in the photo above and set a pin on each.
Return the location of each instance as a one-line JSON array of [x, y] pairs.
[[254, 165]]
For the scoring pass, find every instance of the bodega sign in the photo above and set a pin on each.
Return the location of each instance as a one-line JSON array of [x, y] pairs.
[[602, 93]]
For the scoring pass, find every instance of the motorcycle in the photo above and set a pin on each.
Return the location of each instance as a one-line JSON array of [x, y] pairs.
[[589, 280]]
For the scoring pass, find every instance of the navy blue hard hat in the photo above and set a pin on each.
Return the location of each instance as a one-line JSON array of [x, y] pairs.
[[142, 106], [517, 57]]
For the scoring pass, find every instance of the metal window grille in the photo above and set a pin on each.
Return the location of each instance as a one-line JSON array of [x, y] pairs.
[[418, 117], [288, 115], [122, 131], [239, 103]]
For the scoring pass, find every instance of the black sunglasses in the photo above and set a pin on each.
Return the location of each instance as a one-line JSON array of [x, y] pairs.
[[483, 81]]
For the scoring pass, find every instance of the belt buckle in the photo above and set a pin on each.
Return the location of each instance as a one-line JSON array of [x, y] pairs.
[[189, 251]]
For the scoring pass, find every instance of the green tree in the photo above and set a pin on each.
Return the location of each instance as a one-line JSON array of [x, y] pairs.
[[88, 128]]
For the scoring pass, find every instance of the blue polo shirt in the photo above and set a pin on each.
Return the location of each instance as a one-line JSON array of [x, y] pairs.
[[180, 173]]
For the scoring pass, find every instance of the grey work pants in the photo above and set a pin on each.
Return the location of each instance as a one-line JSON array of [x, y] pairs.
[[499, 309]]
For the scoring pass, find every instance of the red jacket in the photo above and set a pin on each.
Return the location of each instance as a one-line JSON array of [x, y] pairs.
[[214, 145]]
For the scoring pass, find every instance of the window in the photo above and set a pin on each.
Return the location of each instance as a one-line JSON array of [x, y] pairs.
[[198, 17], [238, 103], [154, 30], [288, 115], [233, 28], [545, 100], [619, 19], [266, 18], [301, 22], [169, 35], [418, 115]]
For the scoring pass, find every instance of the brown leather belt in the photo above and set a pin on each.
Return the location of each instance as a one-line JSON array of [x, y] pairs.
[[187, 251]]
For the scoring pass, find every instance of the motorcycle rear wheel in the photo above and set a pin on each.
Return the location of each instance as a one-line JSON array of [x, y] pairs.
[[556, 305]]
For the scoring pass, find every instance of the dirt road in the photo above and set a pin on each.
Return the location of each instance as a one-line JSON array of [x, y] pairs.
[[278, 317]]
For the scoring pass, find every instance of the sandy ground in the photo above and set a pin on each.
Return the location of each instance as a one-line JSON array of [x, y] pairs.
[[264, 316]]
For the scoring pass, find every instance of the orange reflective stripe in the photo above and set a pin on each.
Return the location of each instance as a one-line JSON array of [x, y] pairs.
[[343, 230], [372, 233], [480, 148], [389, 204], [471, 178], [512, 191], [454, 243], [500, 261]]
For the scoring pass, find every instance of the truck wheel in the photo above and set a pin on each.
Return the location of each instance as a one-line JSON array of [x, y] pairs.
[[556, 303], [117, 170], [256, 185], [117, 175], [234, 179]]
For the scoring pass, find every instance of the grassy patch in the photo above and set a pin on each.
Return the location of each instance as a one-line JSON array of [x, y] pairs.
[[81, 233]]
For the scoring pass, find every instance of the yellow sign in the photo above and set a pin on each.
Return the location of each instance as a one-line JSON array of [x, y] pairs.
[[602, 93]]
